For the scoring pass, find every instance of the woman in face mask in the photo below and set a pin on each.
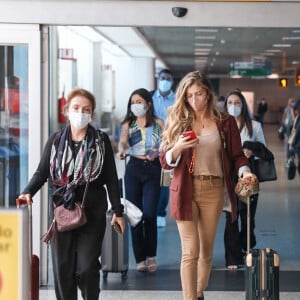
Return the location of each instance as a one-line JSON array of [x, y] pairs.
[[202, 147], [71, 156], [250, 130], [141, 133]]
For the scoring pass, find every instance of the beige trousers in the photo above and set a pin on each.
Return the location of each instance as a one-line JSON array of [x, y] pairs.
[[197, 236]]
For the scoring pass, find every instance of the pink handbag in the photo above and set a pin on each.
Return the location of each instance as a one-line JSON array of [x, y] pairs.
[[68, 219]]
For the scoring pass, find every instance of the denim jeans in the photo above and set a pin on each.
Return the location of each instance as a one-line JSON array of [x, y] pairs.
[[142, 187]]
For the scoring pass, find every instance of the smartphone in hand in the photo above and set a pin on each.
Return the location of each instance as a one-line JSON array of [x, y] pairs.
[[191, 134]]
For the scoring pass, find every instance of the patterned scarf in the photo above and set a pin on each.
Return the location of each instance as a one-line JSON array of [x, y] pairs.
[[63, 165]]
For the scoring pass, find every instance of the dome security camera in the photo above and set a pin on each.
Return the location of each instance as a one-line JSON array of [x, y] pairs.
[[179, 12]]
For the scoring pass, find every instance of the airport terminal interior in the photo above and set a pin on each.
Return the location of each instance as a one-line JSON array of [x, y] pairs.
[[114, 47], [277, 223]]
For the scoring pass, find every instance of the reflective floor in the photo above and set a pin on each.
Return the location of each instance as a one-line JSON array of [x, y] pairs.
[[277, 226]]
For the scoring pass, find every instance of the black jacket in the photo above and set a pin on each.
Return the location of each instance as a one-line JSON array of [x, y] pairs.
[[259, 150]]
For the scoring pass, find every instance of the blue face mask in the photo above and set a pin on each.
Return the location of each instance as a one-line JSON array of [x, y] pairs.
[[164, 85], [234, 110]]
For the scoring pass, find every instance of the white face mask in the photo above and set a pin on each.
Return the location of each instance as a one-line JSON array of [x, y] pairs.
[[234, 110], [138, 109], [164, 85], [79, 120]]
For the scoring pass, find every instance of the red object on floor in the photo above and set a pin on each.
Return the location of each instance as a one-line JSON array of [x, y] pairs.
[[35, 280]]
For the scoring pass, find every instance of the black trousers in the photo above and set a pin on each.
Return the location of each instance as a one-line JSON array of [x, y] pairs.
[[76, 253], [243, 218], [235, 239], [232, 242]]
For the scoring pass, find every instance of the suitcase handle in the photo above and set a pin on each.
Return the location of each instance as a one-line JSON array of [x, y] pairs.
[[248, 224], [22, 202]]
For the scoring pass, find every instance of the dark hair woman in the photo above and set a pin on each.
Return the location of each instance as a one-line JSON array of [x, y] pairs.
[[251, 134], [141, 133]]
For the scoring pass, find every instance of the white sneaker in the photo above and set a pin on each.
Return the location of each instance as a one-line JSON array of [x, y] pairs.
[[161, 222]]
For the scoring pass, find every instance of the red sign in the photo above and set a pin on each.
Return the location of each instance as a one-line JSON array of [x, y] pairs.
[[65, 53]]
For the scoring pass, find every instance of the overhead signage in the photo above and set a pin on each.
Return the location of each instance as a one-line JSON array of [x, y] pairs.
[[253, 68], [250, 72], [241, 65]]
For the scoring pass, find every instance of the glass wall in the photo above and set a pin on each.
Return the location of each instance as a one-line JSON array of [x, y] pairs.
[[13, 122]]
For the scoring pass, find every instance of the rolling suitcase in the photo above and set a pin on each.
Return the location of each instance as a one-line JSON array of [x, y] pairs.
[[115, 246], [262, 270], [114, 256], [35, 280]]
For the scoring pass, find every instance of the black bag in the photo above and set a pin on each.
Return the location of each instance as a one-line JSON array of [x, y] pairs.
[[265, 170], [281, 131], [290, 168]]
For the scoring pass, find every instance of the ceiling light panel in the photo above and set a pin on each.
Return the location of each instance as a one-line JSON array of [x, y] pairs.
[[202, 49], [291, 38], [281, 45], [203, 45], [210, 30], [203, 37], [273, 50]]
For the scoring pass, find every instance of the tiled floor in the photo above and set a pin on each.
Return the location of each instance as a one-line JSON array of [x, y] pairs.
[[166, 295], [277, 226]]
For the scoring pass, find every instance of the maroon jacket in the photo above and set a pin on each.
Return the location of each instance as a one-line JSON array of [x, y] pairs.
[[182, 183]]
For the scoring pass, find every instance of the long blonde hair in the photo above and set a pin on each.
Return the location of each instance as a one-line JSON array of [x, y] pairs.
[[180, 116]]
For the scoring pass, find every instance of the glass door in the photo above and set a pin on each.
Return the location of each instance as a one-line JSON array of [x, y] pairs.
[[13, 121], [17, 72], [21, 111]]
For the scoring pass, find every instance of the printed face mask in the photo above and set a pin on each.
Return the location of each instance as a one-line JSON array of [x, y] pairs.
[[164, 85], [79, 120], [138, 109], [234, 110]]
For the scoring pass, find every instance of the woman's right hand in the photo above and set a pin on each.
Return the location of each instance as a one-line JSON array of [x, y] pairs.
[[120, 221], [26, 197], [184, 142], [121, 155]]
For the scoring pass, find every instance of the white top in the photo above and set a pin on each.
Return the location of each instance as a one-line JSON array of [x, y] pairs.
[[257, 136]]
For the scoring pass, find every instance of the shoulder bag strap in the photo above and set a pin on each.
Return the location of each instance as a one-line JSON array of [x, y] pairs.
[[86, 188]]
